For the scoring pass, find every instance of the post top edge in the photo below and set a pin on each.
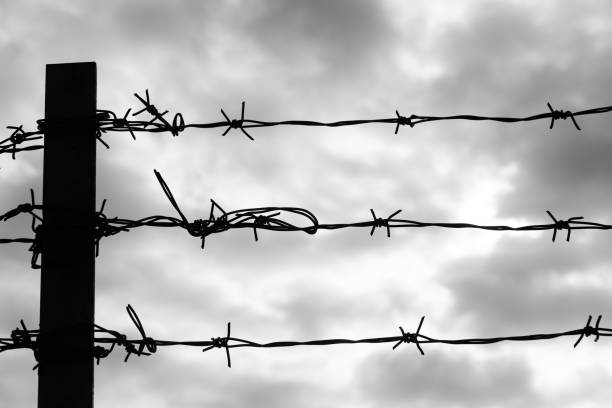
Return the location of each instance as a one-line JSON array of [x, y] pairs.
[[72, 63]]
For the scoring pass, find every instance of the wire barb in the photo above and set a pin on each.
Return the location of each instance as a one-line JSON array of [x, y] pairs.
[[562, 224], [588, 330], [559, 114], [408, 337], [273, 218], [23, 208], [236, 123], [222, 342], [261, 221], [151, 109], [17, 137], [108, 121], [380, 222], [22, 338], [403, 120], [103, 227]]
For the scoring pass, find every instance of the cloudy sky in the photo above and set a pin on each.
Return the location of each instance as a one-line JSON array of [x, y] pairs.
[[333, 60]]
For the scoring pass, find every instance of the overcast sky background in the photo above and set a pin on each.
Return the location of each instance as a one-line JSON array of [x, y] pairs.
[[325, 60]]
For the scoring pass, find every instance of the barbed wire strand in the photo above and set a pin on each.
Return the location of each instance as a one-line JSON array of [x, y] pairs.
[[109, 121], [23, 338], [276, 219]]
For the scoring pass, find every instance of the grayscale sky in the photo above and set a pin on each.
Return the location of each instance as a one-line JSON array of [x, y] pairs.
[[333, 60]]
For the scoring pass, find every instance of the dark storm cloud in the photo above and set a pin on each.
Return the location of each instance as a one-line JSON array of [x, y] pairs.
[[326, 53], [314, 310], [483, 55], [521, 55], [525, 285], [322, 59], [509, 60], [160, 24], [208, 385], [405, 378], [564, 173], [125, 188], [341, 35], [153, 281], [272, 392]]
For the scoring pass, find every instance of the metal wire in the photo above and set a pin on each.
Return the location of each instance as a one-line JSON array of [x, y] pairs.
[[262, 218], [276, 219], [109, 121], [23, 338]]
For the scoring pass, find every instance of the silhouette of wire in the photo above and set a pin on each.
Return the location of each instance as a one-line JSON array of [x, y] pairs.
[[22, 338], [276, 219], [109, 121], [36, 242]]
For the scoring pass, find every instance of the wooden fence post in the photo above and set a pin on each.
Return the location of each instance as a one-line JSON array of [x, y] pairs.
[[68, 263]]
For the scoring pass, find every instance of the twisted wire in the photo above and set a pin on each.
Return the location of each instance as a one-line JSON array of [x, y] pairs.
[[108, 121], [23, 338], [276, 219]]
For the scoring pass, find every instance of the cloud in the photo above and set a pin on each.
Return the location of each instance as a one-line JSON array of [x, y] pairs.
[[324, 308], [328, 60], [18, 385], [204, 385], [440, 379], [341, 36], [570, 174], [528, 285], [510, 60]]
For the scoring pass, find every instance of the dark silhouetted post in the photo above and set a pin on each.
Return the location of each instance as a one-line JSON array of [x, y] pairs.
[[68, 265]]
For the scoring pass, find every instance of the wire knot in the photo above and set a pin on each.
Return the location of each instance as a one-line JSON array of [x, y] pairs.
[[152, 110], [24, 208], [27, 207], [22, 338], [21, 208], [235, 123], [589, 330], [222, 342], [202, 228], [561, 225], [123, 123], [37, 246], [146, 342], [408, 337], [382, 222], [403, 120], [100, 352], [18, 136], [198, 228], [178, 124], [102, 228], [218, 342], [261, 221], [559, 114]]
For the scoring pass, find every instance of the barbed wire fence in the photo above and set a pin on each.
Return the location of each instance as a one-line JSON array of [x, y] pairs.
[[23, 338], [109, 121], [276, 219]]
